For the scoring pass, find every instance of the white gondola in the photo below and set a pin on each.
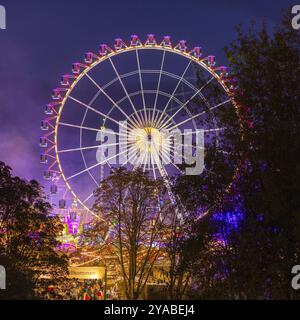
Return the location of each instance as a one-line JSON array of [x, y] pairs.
[[65, 81], [49, 109], [43, 142], [196, 52], [53, 189], [150, 40], [135, 41], [104, 50], [73, 216], [182, 46], [47, 175], [223, 72], [211, 60], [43, 158], [88, 57], [62, 203], [56, 94], [76, 68], [44, 125], [119, 44], [166, 41]]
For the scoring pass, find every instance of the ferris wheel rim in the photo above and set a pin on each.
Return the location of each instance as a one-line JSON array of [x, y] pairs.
[[110, 55]]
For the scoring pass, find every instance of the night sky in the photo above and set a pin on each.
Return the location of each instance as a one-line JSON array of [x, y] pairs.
[[43, 39]]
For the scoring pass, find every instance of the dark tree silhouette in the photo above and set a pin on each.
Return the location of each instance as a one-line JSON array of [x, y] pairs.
[[138, 212], [256, 237], [28, 237]]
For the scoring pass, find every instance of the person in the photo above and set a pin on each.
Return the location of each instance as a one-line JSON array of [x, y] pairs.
[[74, 292], [99, 293], [80, 292], [87, 295]]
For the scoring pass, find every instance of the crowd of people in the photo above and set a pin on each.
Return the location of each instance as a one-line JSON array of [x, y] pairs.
[[88, 289]]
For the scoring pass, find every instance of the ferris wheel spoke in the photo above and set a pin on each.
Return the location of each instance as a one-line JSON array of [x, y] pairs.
[[91, 147], [131, 154], [126, 92], [166, 156], [172, 75], [161, 171], [189, 145], [97, 111], [111, 100], [158, 85], [88, 198], [173, 93], [153, 164], [146, 158], [161, 168], [140, 160], [186, 103], [183, 93], [175, 166], [202, 148], [81, 131], [210, 171], [94, 166], [87, 128], [77, 126], [204, 130], [181, 155], [165, 94], [196, 115], [147, 163], [141, 84]]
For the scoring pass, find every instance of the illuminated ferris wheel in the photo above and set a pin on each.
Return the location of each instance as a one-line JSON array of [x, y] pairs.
[[124, 105]]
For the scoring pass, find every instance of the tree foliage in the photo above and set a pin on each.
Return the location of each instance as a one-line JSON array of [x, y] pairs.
[[28, 237], [256, 225], [137, 211]]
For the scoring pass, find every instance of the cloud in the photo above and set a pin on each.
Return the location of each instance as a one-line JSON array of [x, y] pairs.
[[17, 152], [21, 99]]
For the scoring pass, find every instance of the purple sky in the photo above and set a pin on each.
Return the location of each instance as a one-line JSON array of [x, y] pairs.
[[43, 38]]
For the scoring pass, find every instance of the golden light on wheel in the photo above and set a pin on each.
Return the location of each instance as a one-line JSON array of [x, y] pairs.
[[148, 139]]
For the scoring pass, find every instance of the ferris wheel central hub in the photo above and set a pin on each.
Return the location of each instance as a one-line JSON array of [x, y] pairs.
[[146, 140]]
